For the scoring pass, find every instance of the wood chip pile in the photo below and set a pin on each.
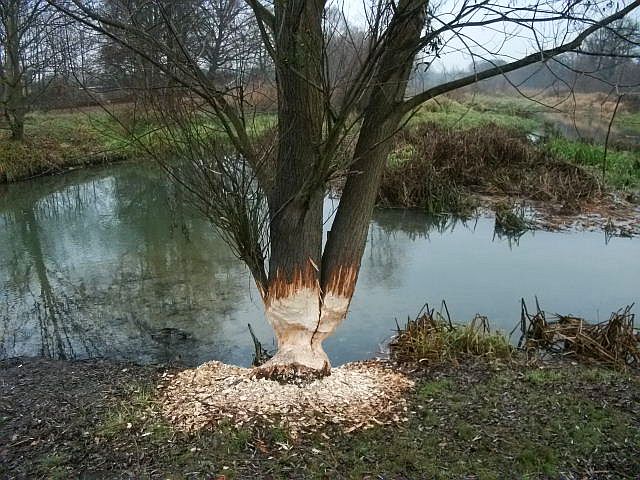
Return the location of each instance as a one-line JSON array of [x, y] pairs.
[[357, 395]]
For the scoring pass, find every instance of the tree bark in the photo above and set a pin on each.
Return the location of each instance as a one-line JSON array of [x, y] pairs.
[[345, 247], [309, 293], [14, 91], [293, 290]]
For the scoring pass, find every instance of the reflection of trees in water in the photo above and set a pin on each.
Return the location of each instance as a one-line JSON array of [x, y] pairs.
[[179, 277], [56, 197], [416, 224], [389, 233], [159, 268], [53, 310]]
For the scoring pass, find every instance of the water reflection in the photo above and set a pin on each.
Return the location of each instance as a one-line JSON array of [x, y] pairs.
[[122, 252], [111, 262], [589, 128]]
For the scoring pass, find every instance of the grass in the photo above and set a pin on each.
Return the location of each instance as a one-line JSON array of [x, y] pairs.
[[622, 168], [629, 121], [58, 141], [518, 113], [440, 170], [544, 376], [431, 337], [461, 145], [61, 140], [477, 112], [470, 419]]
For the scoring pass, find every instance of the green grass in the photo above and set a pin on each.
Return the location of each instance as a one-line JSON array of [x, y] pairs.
[[544, 376], [435, 387], [628, 121], [623, 167], [52, 466], [452, 114], [498, 426], [473, 419], [57, 141]]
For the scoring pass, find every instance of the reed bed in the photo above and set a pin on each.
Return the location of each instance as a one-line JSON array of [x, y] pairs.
[[615, 342], [439, 169], [432, 337]]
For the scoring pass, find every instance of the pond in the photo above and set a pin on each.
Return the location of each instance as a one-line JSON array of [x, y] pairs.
[[111, 262], [590, 129]]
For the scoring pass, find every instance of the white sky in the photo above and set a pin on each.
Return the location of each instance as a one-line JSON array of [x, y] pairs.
[[510, 40]]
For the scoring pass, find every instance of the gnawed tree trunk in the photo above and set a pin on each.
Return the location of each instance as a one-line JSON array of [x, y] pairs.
[[292, 297], [308, 292]]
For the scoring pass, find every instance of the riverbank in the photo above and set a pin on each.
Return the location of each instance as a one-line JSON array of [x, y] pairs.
[[474, 419], [485, 158], [56, 142]]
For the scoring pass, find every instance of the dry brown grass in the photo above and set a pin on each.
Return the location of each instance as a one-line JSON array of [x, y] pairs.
[[435, 168], [615, 341]]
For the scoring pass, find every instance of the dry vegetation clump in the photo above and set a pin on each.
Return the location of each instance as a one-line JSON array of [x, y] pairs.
[[615, 341], [354, 396], [431, 337], [438, 168]]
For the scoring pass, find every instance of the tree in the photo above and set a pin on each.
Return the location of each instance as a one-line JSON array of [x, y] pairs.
[[609, 57], [25, 56], [270, 207]]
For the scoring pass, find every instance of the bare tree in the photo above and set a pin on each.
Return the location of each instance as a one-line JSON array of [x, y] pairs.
[[26, 59], [270, 207], [609, 58]]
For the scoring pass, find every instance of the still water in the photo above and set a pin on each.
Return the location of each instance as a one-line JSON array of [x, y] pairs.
[[105, 262]]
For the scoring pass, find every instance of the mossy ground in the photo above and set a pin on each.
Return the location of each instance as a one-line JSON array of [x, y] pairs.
[[469, 420]]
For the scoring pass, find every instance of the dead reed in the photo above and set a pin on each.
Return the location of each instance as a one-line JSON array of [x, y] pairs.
[[511, 219], [439, 169], [615, 342], [433, 337]]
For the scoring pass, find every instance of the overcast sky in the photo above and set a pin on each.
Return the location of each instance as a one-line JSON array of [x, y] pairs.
[[507, 41]]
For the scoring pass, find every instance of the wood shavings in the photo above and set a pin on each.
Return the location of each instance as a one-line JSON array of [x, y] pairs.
[[356, 395]]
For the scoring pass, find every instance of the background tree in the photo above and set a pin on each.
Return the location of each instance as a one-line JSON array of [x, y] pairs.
[[268, 202], [27, 61], [609, 58]]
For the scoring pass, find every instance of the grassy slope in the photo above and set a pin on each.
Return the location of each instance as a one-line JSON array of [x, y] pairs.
[[622, 168], [475, 420], [57, 141], [476, 112]]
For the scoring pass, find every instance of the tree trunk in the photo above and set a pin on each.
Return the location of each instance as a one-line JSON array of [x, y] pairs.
[[16, 123], [308, 294], [292, 296], [14, 90]]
